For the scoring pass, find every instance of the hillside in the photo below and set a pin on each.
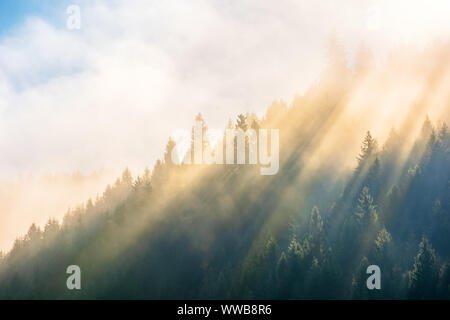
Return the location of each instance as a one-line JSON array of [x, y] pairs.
[[309, 231]]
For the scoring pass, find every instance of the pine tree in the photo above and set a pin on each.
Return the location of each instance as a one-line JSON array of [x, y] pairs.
[[127, 178], [282, 277], [368, 150], [366, 211], [168, 153], [424, 278], [427, 129], [51, 228], [34, 233], [382, 243], [315, 233], [358, 287], [372, 180], [241, 123], [443, 133], [393, 142]]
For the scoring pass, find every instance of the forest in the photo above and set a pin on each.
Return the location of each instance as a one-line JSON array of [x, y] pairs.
[[197, 231]]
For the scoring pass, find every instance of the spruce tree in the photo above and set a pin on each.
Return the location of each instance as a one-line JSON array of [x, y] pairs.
[[424, 278]]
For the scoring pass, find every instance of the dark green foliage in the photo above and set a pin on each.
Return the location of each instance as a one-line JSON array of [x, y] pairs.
[[424, 278]]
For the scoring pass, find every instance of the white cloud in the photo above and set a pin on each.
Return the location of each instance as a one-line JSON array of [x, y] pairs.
[[111, 93]]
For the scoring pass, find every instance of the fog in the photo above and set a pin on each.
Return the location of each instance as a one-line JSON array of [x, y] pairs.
[[27, 200], [109, 95]]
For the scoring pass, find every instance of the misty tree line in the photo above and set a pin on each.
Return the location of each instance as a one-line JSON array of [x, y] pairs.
[[225, 231], [130, 245]]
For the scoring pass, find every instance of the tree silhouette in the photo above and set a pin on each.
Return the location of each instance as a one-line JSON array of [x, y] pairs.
[[424, 277]]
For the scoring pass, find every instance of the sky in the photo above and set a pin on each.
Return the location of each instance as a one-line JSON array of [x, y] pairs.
[[14, 12], [110, 94]]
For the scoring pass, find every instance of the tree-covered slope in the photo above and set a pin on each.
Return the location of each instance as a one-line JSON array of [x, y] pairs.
[[225, 231]]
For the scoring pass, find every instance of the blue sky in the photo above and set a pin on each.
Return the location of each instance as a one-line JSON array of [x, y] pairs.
[[14, 12]]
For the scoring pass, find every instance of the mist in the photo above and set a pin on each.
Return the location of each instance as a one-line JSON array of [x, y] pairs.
[[36, 199], [110, 94]]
